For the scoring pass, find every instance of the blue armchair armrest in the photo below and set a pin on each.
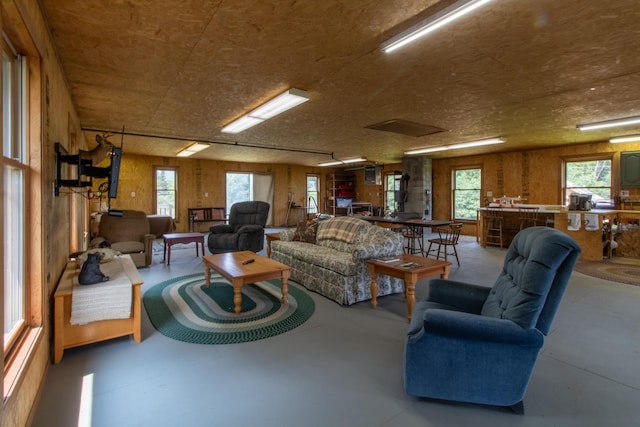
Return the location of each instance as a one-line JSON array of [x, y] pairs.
[[467, 326], [463, 296]]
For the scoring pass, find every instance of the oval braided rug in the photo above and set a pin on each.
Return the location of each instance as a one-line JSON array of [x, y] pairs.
[[184, 309]]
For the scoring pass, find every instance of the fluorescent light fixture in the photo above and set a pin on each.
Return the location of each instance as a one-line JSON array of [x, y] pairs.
[[628, 138], [192, 149], [272, 108], [432, 23], [610, 123], [343, 162], [479, 143]]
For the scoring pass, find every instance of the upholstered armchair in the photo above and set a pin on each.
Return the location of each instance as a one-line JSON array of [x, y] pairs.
[[477, 344], [128, 234], [245, 230]]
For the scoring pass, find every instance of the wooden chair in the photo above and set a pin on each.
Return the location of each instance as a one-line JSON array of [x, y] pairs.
[[413, 240], [447, 237], [493, 226], [528, 216]]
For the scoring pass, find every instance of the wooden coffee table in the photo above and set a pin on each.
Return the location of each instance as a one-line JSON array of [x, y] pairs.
[[233, 266], [171, 239], [425, 267]]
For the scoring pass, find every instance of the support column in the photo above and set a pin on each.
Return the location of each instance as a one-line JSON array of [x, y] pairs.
[[419, 189]]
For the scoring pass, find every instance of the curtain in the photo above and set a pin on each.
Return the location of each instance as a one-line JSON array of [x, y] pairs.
[[263, 191]]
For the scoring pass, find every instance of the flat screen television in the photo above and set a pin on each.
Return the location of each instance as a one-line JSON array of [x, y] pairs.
[[114, 172]]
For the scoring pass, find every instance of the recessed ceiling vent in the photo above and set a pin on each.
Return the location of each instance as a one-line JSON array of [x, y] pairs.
[[405, 127]]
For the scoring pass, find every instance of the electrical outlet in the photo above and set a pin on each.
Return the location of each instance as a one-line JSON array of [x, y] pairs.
[[206, 194], [489, 193], [133, 194]]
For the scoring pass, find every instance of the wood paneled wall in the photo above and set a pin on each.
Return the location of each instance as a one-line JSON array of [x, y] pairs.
[[534, 174], [201, 183]]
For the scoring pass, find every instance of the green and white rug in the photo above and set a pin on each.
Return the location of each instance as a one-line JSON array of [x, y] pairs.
[[186, 310]]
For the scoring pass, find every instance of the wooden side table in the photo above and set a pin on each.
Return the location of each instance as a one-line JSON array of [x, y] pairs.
[[173, 238], [424, 267], [67, 335], [270, 238]]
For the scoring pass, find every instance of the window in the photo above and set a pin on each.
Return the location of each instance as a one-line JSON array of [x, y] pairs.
[[466, 192], [16, 174], [239, 188], [589, 177], [249, 186], [391, 191], [166, 191], [313, 191]]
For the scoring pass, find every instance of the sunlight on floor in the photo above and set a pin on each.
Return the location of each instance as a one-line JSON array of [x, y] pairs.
[[86, 401]]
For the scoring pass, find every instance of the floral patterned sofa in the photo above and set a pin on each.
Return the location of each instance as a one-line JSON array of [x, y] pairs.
[[329, 257]]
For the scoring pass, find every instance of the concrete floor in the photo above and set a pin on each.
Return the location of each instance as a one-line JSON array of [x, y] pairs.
[[343, 367]]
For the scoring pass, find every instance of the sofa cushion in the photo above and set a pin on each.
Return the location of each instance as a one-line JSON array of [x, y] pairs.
[[128, 247], [316, 255], [344, 229]]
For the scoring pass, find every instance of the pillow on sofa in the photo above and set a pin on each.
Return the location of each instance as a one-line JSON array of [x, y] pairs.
[[306, 231]]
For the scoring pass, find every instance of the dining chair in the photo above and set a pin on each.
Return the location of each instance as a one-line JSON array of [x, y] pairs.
[[413, 240], [447, 238]]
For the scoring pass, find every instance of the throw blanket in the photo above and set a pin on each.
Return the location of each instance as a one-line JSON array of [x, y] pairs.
[[106, 300]]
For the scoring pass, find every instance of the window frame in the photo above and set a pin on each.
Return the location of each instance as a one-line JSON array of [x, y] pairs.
[[396, 176], [565, 190], [455, 191], [175, 170], [311, 209], [17, 161], [19, 358]]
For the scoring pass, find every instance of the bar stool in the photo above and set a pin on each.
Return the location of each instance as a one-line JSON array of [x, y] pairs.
[[447, 237], [528, 216], [493, 225]]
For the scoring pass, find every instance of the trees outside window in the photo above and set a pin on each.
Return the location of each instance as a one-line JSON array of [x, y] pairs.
[[239, 188], [391, 191], [313, 193], [166, 191], [589, 177], [466, 192]]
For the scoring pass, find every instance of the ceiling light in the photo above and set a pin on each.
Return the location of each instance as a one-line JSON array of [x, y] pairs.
[[610, 123], [272, 108], [343, 162], [432, 23], [479, 143], [192, 149], [628, 138]]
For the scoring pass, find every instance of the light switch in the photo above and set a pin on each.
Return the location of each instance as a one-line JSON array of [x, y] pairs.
[[489, 193], [133, 194], [206, 194]]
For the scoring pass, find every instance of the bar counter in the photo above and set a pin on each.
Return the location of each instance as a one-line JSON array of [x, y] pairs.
[[589, 233]]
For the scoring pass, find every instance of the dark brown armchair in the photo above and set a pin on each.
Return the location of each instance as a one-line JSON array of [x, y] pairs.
[[128, 234]]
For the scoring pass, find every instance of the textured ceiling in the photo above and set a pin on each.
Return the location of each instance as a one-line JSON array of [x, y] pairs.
[[526, 70]]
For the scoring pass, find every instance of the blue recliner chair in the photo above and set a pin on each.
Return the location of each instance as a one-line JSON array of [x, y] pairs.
[[475, 344], [245, 231]]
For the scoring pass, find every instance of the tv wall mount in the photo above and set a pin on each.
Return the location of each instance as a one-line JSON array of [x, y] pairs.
[[77, 170]]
